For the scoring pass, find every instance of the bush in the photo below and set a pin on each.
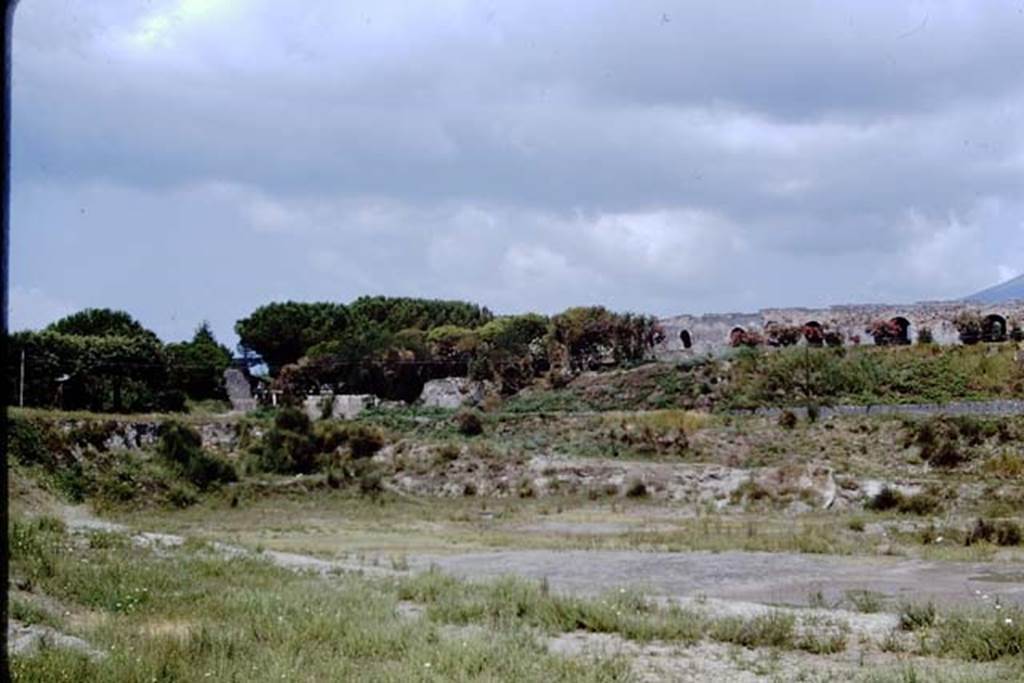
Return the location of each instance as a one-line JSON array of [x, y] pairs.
[[26, 443], [468, 423], [1004, 533], [364, 441], [371, 481], [289, 446], [636, 489], [886, 499], [924, 503], [947, 441], [182, 448], [788, 419]]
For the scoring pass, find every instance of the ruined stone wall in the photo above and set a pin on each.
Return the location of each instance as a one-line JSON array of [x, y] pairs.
[[710, 334]]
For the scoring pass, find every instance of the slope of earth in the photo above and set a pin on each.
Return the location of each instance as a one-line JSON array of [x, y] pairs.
[[1011, 290]]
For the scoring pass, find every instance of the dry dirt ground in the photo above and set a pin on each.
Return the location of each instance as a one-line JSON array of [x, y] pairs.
[[766, 578]]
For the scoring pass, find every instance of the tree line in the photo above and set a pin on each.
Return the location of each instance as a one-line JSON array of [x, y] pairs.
[[104, 360]]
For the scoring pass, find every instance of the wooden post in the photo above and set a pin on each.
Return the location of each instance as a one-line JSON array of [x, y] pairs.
[[21, 384]]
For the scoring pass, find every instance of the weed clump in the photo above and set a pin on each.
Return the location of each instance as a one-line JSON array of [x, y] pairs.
[[916, 617], [468, 423], [788, 419], [951, 441], [1005, 533], [636, 489], [888, 498]]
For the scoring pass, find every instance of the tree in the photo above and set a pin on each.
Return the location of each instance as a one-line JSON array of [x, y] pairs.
[[197, 367], [98, 373], [281, 333], [101, 322], [399, 313], [593, 336]]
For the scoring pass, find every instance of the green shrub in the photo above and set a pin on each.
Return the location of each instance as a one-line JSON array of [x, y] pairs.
[[636, 489], [181, 496], [949, 441], [887, 498], [27, 442], [289, 446], [924, 503], [365, 441], [182, 448], [1004, 533], [371, 480], [468, 423], [915, 617]]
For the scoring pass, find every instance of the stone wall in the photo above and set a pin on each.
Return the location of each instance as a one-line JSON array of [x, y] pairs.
[[239, 391], [688, 336], [340, 406]]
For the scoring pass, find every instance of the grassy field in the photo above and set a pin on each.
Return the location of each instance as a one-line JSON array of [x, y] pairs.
[[191, 614]]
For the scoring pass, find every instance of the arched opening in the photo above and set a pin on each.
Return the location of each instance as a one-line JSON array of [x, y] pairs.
[[903, 330], [892, 332], [740, 337], [685, 338], [814, 333], [993, 329]]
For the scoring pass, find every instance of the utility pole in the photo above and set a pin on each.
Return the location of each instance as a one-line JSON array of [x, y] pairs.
[[21, 384]]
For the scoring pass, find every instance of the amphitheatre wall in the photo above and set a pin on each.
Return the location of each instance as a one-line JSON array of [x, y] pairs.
[[689, 336]]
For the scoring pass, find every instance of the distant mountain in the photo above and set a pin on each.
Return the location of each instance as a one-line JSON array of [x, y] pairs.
[[1011, 290]]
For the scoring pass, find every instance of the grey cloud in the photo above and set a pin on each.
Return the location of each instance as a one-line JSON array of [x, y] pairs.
[[659, 156]]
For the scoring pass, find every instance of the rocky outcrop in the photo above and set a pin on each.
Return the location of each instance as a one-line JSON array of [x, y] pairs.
[[125, 435], [23, 639], [452, 392]]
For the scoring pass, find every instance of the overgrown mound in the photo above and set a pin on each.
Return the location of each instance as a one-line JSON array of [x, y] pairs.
[[293, 445], [77, 464], [948, 442]]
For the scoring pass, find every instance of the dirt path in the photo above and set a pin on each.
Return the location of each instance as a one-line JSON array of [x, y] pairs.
[[743, 577], [771, 578]]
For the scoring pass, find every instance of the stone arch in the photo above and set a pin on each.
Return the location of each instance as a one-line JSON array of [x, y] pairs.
[[993, 328], [686, 339], [814, 333], [903, 336]]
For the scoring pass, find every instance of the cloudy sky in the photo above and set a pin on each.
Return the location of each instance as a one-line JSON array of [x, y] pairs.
[[193, 159]]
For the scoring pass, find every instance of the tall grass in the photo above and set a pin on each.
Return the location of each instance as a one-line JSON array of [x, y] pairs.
[[192, 616]]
